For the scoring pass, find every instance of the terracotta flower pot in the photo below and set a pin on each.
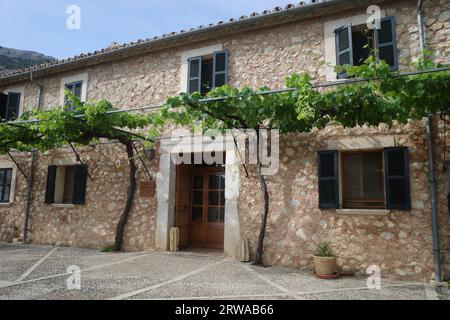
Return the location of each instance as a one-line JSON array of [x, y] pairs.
[[325, 265]]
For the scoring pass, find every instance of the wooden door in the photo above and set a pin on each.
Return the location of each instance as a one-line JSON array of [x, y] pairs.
[[183, 204], [208, 208]]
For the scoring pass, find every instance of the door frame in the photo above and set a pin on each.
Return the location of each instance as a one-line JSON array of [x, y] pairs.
[[166, 179]]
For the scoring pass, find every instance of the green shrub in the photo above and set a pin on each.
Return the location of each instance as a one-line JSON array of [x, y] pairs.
[[109, 248], [324, 250]]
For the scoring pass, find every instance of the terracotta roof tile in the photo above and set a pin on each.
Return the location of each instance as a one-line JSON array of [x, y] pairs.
[[156, 38]]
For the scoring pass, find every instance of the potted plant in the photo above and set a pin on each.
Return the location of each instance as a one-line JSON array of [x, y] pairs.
[[325, 261]]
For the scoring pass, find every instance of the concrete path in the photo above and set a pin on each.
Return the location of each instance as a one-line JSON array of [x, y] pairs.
[[41, 272]]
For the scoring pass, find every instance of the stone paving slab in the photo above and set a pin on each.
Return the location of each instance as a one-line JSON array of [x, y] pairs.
[[163, 275], [224, 280], [12, 269], [57, 265], [295, 280], [402, 293]]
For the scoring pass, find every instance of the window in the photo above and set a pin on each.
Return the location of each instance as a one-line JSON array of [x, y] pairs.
[[362, 180], [66, 184], [370, 179], [5, 184], [77, 84], [9, 105], [207, 72], [354, 44], [76, 89]]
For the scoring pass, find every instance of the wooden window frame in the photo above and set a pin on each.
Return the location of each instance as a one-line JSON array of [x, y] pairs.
[[342, 154]]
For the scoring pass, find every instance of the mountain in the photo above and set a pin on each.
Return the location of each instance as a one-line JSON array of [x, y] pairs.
[[11, 59]]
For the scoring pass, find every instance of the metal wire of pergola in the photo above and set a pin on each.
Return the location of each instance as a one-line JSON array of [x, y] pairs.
[[260, 93]]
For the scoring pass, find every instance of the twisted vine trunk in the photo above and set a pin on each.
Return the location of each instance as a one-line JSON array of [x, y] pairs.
[[266, 200], [130, 196], [265, 215]]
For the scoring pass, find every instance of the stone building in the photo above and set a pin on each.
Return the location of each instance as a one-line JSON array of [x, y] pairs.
[[367, 216]]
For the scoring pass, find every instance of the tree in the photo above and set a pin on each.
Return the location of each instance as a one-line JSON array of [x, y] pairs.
[[82, 124]]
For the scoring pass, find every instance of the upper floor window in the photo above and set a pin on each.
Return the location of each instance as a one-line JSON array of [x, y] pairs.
[[9, 105], [354, 44], [207, 72], [77, 85], [75, 88]]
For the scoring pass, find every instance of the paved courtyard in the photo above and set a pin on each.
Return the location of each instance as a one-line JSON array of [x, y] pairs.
[[41, 272]]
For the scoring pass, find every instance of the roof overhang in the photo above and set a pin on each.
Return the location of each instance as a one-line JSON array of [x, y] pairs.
[[222, 29]]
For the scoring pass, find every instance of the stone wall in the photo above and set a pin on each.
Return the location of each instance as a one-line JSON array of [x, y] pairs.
[[400, 242], [92, 225]]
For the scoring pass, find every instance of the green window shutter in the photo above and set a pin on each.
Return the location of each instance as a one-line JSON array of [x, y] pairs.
[[396, 162], [51, 179], [3, 105], [386, 42], [328, 179], [13, 105], [79, 184], [220, 76], [344, 47], [195, 75]]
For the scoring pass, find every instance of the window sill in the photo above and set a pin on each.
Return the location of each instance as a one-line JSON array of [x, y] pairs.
[[367, 212], [3, 204], [63, 205]]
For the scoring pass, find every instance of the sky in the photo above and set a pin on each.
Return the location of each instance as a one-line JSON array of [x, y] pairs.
[[41, 25]]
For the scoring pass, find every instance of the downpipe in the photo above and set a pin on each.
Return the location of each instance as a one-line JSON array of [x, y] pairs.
[[431, 171], [30, 181], [434, 206], [421, 26]]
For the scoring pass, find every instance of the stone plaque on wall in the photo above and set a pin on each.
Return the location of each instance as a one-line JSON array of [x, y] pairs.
[[147, 188]]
